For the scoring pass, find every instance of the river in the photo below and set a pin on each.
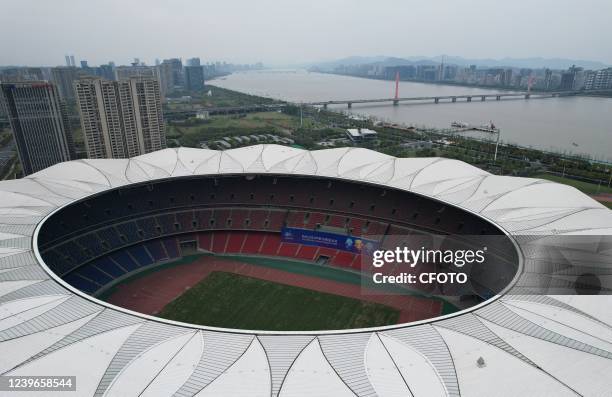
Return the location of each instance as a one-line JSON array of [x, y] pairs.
[[571, 125]]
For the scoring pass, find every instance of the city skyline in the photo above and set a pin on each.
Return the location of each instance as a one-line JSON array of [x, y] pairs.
[[311, 33]]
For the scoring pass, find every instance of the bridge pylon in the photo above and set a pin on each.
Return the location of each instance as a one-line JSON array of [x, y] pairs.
[[396, 98]]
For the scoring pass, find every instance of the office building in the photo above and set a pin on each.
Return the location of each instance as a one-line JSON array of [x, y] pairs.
[[64, 77], [120, 119], [194, 78], [40, 124]]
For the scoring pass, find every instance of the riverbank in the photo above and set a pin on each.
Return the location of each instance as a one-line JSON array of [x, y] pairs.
[[607, 94], [314, 128]]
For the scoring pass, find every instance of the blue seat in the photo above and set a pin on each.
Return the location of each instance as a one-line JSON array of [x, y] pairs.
[[109, 267], [91, 272], [79, 282], [125, 261], [141, 255], [156, 250], [172, 248]]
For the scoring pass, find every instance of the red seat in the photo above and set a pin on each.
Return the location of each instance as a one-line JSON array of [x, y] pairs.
[[295, 219], [205, 241], [270, 244], [234, 242], [329, 252], [258, 218], [307, 252], [288, 249], [276, 220], [219, 242], [343, 259], [252, 243], [203, 217], [336, 221], [239, 217], [221, 216]]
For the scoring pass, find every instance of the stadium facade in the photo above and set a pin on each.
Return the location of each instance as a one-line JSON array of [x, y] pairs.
[[538, 337]]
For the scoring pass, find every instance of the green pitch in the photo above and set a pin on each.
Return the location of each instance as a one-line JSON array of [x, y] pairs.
[[234, 301]]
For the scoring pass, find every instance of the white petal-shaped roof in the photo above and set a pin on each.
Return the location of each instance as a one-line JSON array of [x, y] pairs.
[[529, 343]]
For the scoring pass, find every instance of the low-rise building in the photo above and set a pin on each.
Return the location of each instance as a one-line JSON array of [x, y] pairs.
[[360, 134]]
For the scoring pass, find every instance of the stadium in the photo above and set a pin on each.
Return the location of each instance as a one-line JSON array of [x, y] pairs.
[[241, 272]]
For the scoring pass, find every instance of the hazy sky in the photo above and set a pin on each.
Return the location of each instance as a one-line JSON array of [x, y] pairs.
[[41, 32]]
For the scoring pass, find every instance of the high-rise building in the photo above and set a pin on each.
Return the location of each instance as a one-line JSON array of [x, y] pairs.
[[64, 77], [194, 78], [107, 71], [40, 124], [120, 119], [193, 62], [570, 79], [171, 74], [126, 72], [548, 79], [599, 80], [21, 74], [505, 77]]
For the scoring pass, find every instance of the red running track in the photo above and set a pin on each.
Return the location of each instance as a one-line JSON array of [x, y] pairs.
[[151, 293]]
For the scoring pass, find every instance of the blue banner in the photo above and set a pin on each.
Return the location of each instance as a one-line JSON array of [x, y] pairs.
[[328, 240]]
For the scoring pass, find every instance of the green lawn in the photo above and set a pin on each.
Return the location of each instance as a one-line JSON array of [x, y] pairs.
[[235, 301], [585, 187]]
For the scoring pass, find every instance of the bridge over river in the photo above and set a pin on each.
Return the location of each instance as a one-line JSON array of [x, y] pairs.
[[448, 98]]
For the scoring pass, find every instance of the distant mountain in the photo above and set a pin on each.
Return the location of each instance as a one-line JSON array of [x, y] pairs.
[[534, 63], [349, 61]]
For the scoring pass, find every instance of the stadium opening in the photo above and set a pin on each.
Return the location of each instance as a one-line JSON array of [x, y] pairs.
[[271, 252]]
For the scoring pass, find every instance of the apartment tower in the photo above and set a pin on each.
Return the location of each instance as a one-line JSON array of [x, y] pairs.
[[120, 119]]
